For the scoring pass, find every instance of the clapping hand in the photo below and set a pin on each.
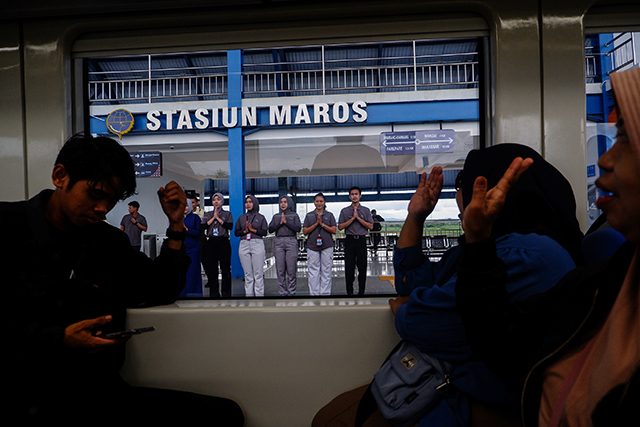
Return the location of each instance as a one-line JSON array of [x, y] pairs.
[[426, 196], [481, 213]]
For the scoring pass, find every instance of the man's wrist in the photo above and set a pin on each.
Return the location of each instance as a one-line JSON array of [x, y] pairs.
[[177, 235], [176, 226]]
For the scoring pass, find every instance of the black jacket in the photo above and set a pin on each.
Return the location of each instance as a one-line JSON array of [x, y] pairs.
[[53, 279], [522, 339]]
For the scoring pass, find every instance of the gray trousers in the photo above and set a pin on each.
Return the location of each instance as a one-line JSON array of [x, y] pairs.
[[320, 264], [251, 254], [285, 251]]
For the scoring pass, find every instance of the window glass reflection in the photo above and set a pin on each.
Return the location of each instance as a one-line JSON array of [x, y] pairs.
[[312, 119]]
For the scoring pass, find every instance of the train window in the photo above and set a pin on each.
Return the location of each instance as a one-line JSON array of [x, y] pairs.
[[296, 121], [605, 53]]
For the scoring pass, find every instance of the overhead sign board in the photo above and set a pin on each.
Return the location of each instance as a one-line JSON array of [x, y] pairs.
[[147, 163], [417, 142]]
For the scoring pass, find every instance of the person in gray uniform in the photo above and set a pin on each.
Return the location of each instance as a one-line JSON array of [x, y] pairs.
[[356, 221], [251, 227], [133, 224], [320, 226], [216, 225], [286, 224]]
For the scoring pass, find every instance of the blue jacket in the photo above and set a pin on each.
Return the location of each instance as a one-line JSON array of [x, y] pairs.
[[431, 319]]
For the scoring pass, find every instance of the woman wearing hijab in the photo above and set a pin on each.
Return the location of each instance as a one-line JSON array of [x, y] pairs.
[[251, 227], [577, 345], [193, 288], [320, 226], [216, 225], [286, 225], [538, 242]]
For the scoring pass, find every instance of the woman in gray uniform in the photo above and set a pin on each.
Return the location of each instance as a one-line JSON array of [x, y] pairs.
[[320, 226], [251, 227], [286, 224]]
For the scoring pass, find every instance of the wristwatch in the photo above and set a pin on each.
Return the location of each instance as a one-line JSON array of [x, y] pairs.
[[177, 235]]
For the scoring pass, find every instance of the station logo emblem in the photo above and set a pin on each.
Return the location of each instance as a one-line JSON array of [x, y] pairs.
[[120, 122]]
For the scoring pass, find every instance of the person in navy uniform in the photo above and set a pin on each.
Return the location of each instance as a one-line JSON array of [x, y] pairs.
[[193, 243]]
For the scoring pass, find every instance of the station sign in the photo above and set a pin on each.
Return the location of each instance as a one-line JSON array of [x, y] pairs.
[[417, 142], [271, 115], [147, 163]]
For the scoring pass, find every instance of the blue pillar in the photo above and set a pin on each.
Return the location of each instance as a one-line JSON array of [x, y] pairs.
[[236, 155]]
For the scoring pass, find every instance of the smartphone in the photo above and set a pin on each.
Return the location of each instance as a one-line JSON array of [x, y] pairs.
[[127, 333]]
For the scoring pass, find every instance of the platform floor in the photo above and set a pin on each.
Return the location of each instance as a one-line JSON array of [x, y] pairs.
[[380, 277]]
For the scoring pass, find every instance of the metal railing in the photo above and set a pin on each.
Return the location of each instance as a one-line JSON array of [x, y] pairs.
[[405, 73], [591, 63], [435, 240], [622, 54], [308, 77], [154, 85]]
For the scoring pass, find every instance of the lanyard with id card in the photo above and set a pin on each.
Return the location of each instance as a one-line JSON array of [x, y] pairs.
[[319, 238]]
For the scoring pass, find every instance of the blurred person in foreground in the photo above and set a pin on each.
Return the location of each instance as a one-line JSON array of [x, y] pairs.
[[70, 278], [537, 240], [578, 346]]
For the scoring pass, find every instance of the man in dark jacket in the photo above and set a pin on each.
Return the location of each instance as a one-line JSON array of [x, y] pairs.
[[70, 277]]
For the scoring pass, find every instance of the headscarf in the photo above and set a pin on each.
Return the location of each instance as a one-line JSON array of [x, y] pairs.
[[289, 204], [190, 205], [219, 195], [256, 205], [626, 90], [541, 202]]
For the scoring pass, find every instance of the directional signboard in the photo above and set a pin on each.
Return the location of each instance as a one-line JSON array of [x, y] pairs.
[[417, 142], [147, 164]]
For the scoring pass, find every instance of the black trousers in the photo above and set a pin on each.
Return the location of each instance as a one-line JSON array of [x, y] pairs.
[[217, 250], [355, 255], [375, 239]]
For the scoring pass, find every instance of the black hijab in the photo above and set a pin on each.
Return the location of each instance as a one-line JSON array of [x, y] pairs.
[[541, 202]]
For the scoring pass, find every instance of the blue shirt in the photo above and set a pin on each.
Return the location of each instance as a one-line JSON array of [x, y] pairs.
[[430, 318]]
